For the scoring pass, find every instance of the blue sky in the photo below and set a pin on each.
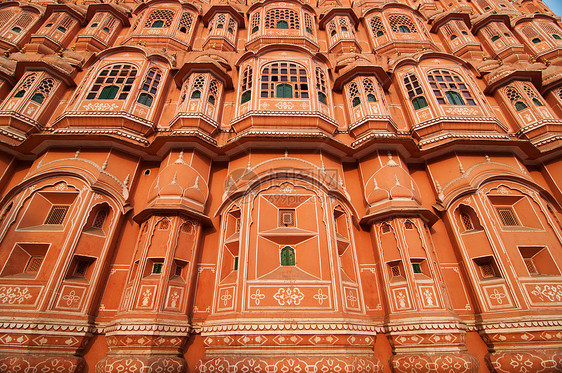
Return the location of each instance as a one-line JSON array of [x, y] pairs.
[[555, 5]]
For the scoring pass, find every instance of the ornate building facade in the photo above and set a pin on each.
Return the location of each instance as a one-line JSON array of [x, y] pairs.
[[280, 186]]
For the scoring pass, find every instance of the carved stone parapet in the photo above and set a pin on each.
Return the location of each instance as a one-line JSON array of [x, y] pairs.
[[327, 364], [39, 363], [151, 364], [434, 363], [544, 361]]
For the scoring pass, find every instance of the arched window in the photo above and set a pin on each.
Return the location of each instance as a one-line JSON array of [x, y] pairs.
[[186, 21], [246, 85], [515, 98], [415, 91], [449, 88], [25, 85], [42, 91], [530, 92], [551, 29], [287, 256], [401, 23], [369, 88], [115, 81], [282, 19], [255, 22], [99, 220], [377, 27], [213, 92], [286, 74], [466, 221], [159, 18], [150, 87], [308, 24], [353, 91], [321, 86], [197, 86]]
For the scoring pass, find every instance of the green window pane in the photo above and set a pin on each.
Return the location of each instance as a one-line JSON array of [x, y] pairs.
[[38, 97], [20, 93], [284, 91], [404, 29], [109, 92], [356, 101], [196, 94], [246, 96], [211, 100], [145, 99], [520, 105], [157, 24], [454, 98], [419, 102], [282, 25], [287, 256], [537, 102], [322, 98], [371, 98]]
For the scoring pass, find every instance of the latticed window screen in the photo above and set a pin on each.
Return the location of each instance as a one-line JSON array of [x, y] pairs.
[[115, 81], [321, 85], [515, 98], [401, 23], [42, 91], [377, 27], [255, 22], [213, 92], [507, 216], [23, 21], [97, 19], [186, 21], [395, 270], [308, 24], [369, 89], [487, 270], [164, 224], [385, 228], [408, 224], [552, 29], [284, 80], [353, 91], [33, 264], [160, 18], [99, 220], [5, 16], [56, 214], [532, 94], [109, 24], [415, 91], [559, 92], [483, 4], [286, 218], [246, 84], [449, 88], [25, 85], [197, 86], [231, 26], [466, 221], [150, 87], [278, 18], [81, 268], [531, 266], [529, 32], [52, 19], [332, 28]]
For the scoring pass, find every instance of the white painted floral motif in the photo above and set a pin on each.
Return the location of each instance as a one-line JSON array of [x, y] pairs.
[[226, 297], [71, 298], [146, 297], [320, 297], [174, 299], [257, 297], [428, 294], [289, 296], [552, 293], [351, 299], [497, 296], [13, 295], [401, 297], [101, 106], [284, 105]]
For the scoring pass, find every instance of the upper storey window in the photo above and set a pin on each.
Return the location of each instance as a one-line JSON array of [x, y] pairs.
[[33, 97], [286, 22], [282, 19], [14, 25], [101, 32], [113, 82], [394, 31], [201, 93], [223, 28], [321, 86], [56, 33], [415, 91], [364, 98], [402, 23], [150, 87], [246, 85], [160, 18], [448, 88], [169, 26], [284, 80]]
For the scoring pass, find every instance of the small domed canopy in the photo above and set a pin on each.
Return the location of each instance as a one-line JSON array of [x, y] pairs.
[[392, 182]]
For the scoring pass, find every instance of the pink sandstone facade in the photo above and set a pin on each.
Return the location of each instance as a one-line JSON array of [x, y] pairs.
[[280, 186]]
